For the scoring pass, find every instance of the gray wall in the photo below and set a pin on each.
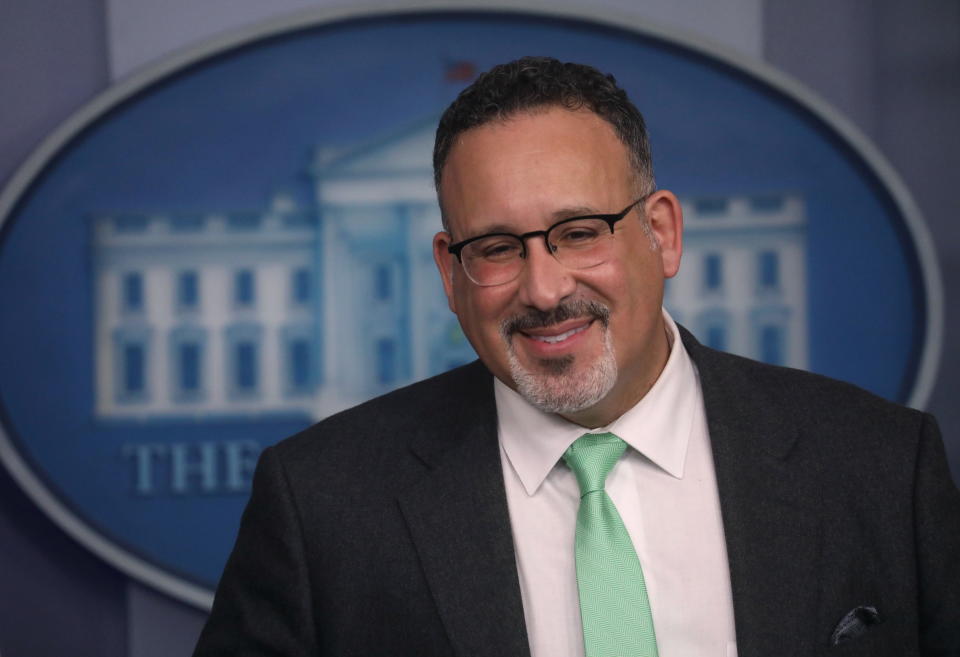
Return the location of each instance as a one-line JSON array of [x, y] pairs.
[[892, 66], [55, 597]]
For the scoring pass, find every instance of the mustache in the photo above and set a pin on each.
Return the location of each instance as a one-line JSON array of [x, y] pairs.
[[534, 318]]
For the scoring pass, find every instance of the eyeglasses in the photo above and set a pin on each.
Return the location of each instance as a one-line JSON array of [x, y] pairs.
[[576, 242]]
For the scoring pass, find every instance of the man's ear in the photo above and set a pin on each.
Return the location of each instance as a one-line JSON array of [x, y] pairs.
[[445, 264], [665, 216]]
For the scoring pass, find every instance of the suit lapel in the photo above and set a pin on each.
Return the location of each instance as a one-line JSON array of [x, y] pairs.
[[459, 522], [769, 501]]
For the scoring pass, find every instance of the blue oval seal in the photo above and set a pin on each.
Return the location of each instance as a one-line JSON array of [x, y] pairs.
[[235, 243]]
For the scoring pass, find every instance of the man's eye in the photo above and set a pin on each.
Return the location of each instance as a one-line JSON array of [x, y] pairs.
[[498, 249], [576, 234]]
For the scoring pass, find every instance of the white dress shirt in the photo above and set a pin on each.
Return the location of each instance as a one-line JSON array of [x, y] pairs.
[[665, 490]]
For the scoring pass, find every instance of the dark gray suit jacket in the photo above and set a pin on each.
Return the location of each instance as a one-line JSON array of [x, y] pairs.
[[384, 530]]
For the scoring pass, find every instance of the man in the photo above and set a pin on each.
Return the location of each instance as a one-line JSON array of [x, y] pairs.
[[599, 483]]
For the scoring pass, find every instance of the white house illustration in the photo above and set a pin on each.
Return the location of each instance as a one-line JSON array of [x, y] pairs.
[[308, 310], [743, 281]]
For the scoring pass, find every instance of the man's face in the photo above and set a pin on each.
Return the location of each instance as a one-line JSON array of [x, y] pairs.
[[586, 343]]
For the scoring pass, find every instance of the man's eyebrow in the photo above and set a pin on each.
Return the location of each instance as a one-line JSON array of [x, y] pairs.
[[555, 216], [574, 211], [488, 229]]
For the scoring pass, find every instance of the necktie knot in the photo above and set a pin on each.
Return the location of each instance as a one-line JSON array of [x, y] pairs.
[[591, 457]]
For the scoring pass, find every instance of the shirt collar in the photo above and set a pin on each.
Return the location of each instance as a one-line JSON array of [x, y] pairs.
[[658, 426]]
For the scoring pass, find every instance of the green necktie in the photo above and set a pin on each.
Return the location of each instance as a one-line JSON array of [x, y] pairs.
[[613, 596]]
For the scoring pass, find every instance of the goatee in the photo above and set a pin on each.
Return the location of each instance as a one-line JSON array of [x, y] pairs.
[[555, 387]]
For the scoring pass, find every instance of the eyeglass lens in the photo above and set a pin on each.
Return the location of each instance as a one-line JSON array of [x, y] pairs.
[[499, 259]]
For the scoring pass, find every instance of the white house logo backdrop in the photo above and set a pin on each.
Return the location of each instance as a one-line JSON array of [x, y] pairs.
[[242, 247]]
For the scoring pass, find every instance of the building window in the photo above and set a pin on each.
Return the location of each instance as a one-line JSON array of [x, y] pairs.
[[710, 206], [717, 337], [244, 221], [187, 223], [772, 345], [134, 369], [131, 373], [132, 291], [243, 359], [188, 362], [299, 353], [386, 361], [244, 289], [712, 272], [766, 204], [187, 347], [382, 283], [768, 263], [300, 284], [131, 223], [713, 325], [245, 366], [188, 290], [299, 373]]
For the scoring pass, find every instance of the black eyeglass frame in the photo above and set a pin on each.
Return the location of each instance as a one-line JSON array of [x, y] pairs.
[[610, 219]]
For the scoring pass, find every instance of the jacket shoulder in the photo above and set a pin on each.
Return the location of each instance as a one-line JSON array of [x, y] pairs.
[[791, 393], [371, 442]]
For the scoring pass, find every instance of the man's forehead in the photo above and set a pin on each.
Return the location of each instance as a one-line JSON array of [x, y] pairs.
[[532, 138], [535, 116], [531, 150]]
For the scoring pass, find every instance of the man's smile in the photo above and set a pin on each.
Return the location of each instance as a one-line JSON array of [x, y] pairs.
[[556, 333], [557, 339]]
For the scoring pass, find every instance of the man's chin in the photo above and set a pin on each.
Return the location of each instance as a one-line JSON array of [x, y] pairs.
[[557, 386], [578, 359], [553, 366]]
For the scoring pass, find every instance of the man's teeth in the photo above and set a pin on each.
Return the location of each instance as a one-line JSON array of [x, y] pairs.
[[553, 339]]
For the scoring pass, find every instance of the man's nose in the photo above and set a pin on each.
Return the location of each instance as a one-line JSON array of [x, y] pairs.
[[544, 281]]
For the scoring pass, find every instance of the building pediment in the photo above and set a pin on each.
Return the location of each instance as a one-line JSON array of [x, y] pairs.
[[408, 151]]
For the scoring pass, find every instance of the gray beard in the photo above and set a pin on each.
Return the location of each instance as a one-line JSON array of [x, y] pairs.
[[557, 389]]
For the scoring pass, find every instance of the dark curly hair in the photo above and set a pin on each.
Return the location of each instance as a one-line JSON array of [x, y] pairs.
[[530, 83]]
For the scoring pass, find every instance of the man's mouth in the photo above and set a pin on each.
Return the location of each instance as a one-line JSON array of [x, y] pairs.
[[560, 337], [556, 325]]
